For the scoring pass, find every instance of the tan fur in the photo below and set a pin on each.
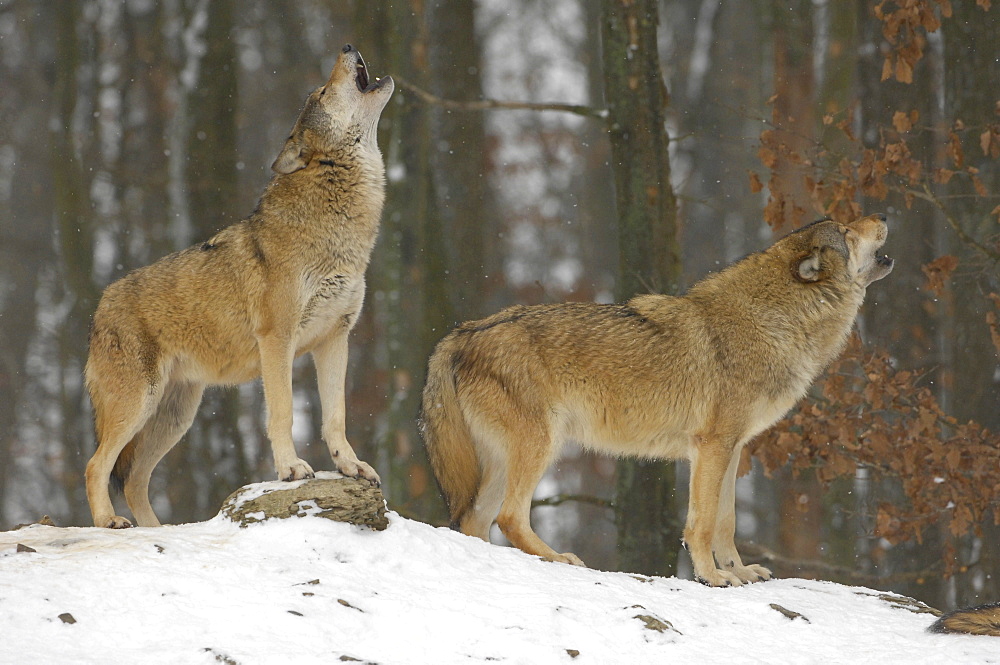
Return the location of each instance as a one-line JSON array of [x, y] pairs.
[[692, 377], [287, 280], [981, 620]]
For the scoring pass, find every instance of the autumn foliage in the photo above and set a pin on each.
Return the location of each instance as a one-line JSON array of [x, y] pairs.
[[865, 413]]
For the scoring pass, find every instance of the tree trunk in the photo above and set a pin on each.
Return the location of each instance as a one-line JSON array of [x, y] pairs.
[[971, 56], [406, 279], [196, 484], [649, 258], [458, 166], [915, 313], [76, 247]]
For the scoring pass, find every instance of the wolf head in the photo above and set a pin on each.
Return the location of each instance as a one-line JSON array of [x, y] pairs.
[[825, 249], [341, 113]]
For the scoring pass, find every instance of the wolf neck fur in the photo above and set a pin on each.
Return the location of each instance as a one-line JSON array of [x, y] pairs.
[[769, 308], [350, 178]]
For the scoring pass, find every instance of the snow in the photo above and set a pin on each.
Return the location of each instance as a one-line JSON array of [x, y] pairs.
[[308, 590]]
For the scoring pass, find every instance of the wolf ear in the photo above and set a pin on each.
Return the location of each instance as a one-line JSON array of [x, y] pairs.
[[808, 268], [293, 156]]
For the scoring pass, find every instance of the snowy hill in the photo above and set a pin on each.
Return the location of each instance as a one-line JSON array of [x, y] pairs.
[[313, 591]]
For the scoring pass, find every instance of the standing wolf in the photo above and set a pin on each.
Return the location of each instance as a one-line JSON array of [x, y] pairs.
[[691, 377], [287, 280]]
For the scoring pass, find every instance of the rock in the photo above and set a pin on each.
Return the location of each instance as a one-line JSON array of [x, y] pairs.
[[905, 603], [789, 614], [653, 622], [44, 521], [329, 495]]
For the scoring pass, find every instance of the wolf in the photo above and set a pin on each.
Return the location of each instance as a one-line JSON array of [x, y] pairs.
[[287, 280], [981, 620], [679, 377]]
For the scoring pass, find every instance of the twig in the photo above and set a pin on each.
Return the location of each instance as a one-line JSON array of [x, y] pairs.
[[487, 104], [827, 570], [928, 195], [558, 499]]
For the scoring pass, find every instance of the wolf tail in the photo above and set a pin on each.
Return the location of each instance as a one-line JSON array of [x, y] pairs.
[[981, 620], [446, 434]]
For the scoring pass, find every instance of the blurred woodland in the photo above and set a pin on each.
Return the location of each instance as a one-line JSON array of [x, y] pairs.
[[527, 159]]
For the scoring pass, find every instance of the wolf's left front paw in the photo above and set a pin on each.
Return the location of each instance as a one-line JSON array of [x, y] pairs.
[[748, 573], [566, 557], [297, 470], [357, 469], [718, 578], [752, 573]]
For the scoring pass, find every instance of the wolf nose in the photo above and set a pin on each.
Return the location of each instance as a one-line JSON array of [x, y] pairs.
[[347, 48], [881, 216]]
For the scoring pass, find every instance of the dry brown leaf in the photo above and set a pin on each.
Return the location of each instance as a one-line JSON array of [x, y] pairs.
[[886, 68], [767, 157], [980, 187], [904, 71], [993, 321], [954, 150], [938, 271], [942, 176], [901, 121]]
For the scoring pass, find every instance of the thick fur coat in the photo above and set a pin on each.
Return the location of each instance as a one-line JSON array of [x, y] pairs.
[[692, 377], [287, 280]]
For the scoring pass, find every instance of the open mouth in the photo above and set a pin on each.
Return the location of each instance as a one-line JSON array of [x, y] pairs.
[[883, 259], [362, 80]]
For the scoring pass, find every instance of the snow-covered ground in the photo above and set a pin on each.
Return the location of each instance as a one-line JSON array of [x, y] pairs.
[[313, 591]]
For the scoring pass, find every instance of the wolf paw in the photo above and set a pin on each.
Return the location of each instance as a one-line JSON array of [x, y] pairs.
[[749, 573], [297, 470], [566, 557], [116, 522], [357, 469], [719, 578], [753, 573]]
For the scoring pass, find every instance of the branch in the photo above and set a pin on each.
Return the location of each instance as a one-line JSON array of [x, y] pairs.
[[558, 499], [928, 195], [487, 104], [828, 570]]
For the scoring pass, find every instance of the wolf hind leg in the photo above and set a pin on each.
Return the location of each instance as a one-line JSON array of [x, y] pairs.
[[120, 411], [529, 456], [489, 496], [173, 417]]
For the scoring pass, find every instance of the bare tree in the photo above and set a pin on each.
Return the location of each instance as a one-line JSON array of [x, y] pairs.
[[649, 257]]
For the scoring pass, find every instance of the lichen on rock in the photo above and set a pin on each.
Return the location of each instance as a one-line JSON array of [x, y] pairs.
[[329, 495]]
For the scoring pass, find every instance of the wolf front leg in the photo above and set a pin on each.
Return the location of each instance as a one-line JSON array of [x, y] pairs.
[[276, 355], [723, 544], [330, 358], [709, 462]]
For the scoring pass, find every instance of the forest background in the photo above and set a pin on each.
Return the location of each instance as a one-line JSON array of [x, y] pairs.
[[525, 150]]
